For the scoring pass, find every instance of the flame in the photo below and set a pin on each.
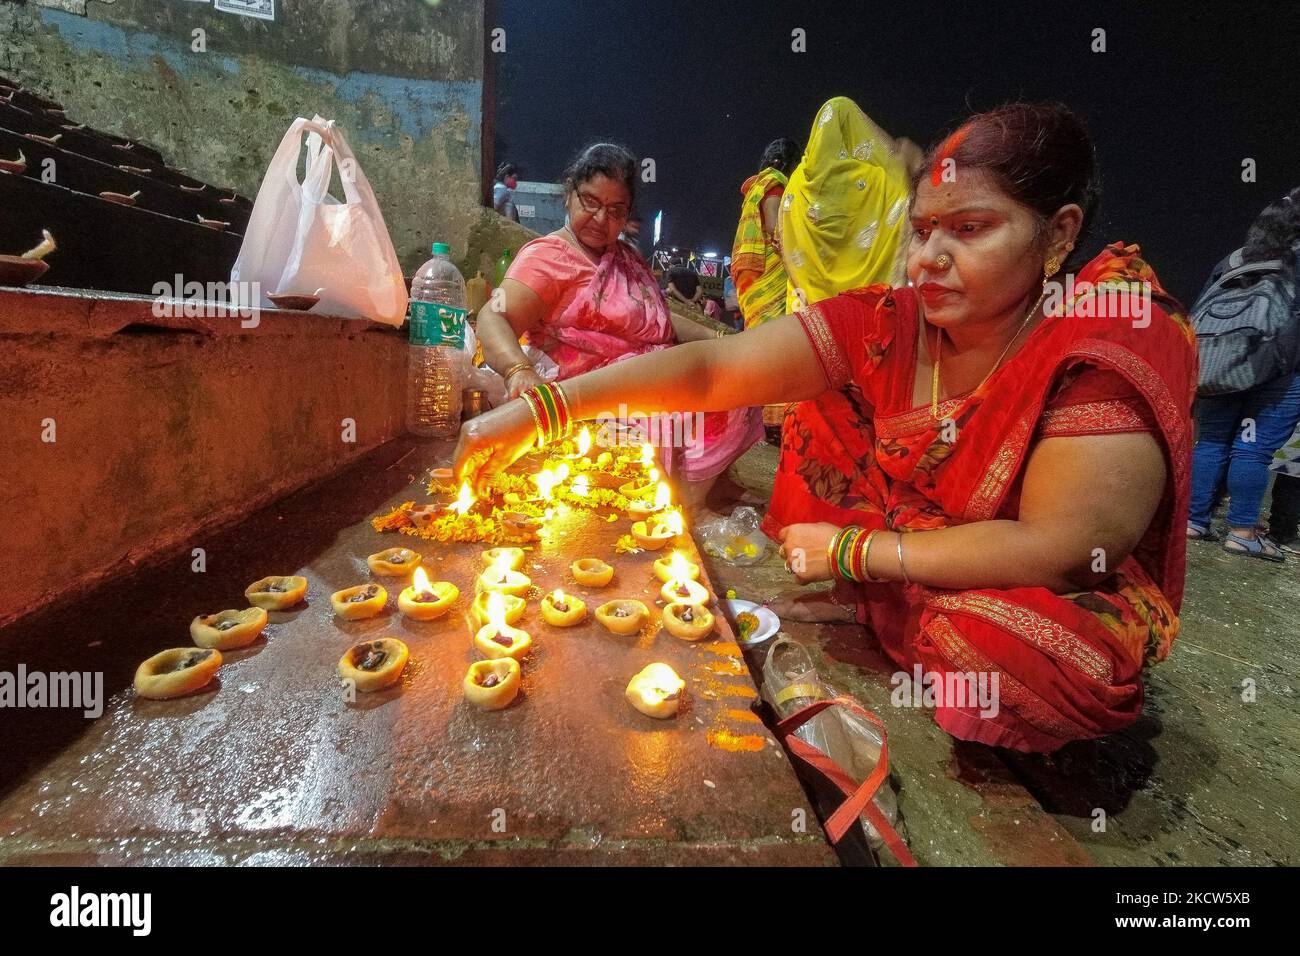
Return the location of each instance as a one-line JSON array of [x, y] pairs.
[[647, 455], [558, 597], [680, 568], [659, 682], [420, 582], [584, 440], [464, 501], [498, 570], [672, 522], [663, 496], [562, 472], [581, 486], [547, 480], [496, 611], [653, 475]]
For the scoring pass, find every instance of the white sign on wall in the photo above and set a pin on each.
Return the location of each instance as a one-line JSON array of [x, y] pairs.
[[527, 212], [262, 9]]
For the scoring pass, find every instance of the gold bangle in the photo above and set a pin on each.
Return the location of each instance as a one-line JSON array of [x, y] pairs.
[[866, 557], [515, 369], [527, 399], [901, 566]]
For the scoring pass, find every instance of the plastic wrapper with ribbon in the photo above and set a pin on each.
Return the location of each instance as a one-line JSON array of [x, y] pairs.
[[841, 739]]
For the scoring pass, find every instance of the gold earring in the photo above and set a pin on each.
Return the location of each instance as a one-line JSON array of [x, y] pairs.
[[1051, 267]]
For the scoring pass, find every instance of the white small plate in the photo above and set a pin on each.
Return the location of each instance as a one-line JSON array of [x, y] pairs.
[[768, 622]]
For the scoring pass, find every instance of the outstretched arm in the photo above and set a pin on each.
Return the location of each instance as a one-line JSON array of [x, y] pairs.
[[774, 362]]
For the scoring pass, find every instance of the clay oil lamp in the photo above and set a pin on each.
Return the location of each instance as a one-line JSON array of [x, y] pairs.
[[637, 489], [690, 622], [511, 558], [514, 607], [657, 530], [563, 610], [641, 508], [656, 691], [394, 562], [374, 665], [359, 602], [492, 685], [177, 672], [122, 199], [423, 601], [685, 590], [623, 616], [592, 572], [276, 593], [499, 576], [20, 270], [295, 301], [227, 630], [15, 167], [583, 446], [496, 638], [676, 565], [45, 140], [217, 225], [522, 525]]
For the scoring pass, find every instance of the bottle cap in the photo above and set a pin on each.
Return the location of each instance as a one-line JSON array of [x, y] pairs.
[[441, 249]]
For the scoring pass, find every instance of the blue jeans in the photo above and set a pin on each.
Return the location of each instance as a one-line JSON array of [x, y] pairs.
[[1226, 446]]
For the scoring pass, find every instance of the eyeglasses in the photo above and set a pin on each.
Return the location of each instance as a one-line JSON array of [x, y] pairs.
[[590, 204]]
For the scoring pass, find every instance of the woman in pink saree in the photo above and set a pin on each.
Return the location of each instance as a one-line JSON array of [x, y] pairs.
[[588, 300]]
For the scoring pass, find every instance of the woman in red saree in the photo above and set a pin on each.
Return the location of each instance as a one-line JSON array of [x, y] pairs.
[[1022, 477]]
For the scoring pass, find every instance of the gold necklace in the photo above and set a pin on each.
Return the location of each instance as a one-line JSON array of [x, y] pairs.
[[938, 357]]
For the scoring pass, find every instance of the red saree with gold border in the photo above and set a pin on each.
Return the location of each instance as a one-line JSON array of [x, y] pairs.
[[1107, 359]]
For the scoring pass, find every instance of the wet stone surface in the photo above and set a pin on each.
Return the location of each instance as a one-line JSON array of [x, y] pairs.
[[274, 764]]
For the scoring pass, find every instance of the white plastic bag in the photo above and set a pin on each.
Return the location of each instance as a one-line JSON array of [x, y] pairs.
[[300, 238]]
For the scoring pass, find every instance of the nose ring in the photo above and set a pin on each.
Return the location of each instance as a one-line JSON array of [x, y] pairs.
[[943, 261]]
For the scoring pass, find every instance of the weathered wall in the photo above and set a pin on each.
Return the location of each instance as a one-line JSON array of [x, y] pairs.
[[403, 78], [163, 429]]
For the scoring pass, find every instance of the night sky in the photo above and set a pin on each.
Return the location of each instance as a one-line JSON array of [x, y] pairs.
[[1183, 94]]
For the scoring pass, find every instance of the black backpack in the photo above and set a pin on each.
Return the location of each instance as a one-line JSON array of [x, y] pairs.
[[1247, 327]]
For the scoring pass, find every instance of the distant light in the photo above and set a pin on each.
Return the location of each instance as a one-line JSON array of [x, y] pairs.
[[674, 248], [659, 221], [710, 255]]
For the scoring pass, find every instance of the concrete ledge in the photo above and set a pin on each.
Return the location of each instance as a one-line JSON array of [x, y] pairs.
[[163, 427]]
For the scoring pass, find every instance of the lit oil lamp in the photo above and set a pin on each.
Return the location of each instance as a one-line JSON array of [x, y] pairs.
[[656, 691], [636, 490], [685, 590], [676, 566], [584, 444], [501, 577], [581, 486], [623, 617], [690, 622], [464, 500], [423, 601], [360, 602], [591, 572], [513, 558], [492, 685], [394, 562], [374, 665], [647, 456], [514, 606], [496, 638], [548, 478], [640, 508], [562, 610]]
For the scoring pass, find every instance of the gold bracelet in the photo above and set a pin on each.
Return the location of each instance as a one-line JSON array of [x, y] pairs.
[[516, 368], [901, 566], [866, 557], [528, 399]]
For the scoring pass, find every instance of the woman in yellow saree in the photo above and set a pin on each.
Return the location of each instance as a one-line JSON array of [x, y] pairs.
[[843, 215], [756, 264]]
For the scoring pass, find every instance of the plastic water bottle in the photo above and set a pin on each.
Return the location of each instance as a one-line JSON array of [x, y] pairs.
[[502, 267], [436, 371]]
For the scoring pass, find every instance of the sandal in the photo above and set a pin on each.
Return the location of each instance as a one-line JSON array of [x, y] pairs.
[[1257, 547], [1198, 532]]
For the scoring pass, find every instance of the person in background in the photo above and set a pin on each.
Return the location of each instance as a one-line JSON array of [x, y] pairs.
[[1238, 434], [588, 300], [684, 286], [632, 231], [1284, 512], [756, 265], [1012, 439], [503, 191]]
